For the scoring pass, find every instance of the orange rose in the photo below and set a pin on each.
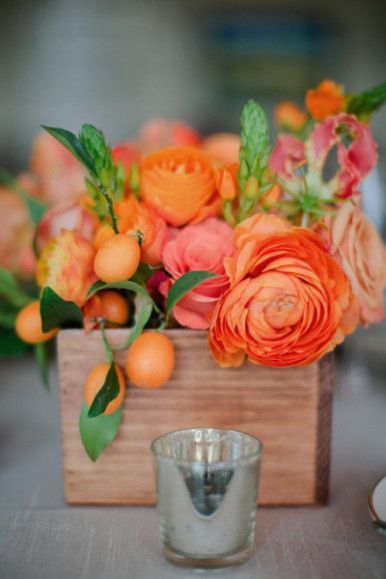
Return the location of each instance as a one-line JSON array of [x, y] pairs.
[[288, 303], [325, 100], [288, 116], [358, 248], [66, 266], [134, 216], [179, 184]]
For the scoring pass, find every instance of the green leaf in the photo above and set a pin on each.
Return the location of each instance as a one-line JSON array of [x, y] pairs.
[[36, 209], [94, 143], [362, 105], [11, 290], [143, 310], [143, 273], [254, 146], [127, 285], [8, 314], [183, 285], [55, 311], [10, 344], [73, 144], [97, 433], [108, 392], [41, 355]]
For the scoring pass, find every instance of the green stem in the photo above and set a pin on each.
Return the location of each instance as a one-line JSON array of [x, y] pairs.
[[305, 219], [110, 207], [108, 350]]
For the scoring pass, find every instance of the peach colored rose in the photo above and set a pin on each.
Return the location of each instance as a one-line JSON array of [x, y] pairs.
[[66, 266], [68, 215], [178, 183], [356, 245], [157, 134], [288, 303], [135, 216], [198, 247], [59, 175], [222, 147], [16, 234]]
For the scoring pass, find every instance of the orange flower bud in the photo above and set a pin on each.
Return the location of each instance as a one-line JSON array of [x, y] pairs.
[[289, 116], [325, 100]]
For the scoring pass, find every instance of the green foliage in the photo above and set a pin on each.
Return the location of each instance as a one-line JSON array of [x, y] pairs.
[[11, 291], [362, 105], [144, 306], [183, 285], [41, 355], [254, 147], [108, 392], [105, 182], [10, 344], [73, 144], [98, 432], [36, 209], [56, 312]]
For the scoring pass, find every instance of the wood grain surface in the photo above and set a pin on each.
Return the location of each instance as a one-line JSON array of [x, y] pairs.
[[289, 410]]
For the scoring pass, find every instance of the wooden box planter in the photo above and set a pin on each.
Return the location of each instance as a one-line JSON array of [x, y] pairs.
[[288, 409]]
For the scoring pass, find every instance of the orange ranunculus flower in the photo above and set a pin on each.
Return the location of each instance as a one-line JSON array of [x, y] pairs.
[[359, 249], [289, 302], [325, 100], [135, 216], [66, 266], [178, 183], [289, 116], [257, 228]]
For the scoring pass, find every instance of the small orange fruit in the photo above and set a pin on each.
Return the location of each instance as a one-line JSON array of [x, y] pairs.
[[117, 259], [29, 325], [94, 383], [102, 234], [115, 308], [150, 360]]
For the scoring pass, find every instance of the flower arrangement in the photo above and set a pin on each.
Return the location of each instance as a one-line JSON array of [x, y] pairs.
[[253, 244]]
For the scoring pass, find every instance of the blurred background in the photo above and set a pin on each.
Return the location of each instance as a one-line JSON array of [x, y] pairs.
[[116, 63]]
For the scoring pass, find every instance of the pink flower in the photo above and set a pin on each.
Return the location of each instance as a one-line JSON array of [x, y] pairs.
[[356, 245], [355, 161], [287, 153], [157, 134], [59, 175], [202, 246]]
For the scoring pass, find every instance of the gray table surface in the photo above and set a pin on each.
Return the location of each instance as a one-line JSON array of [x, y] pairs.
[[43, 538]]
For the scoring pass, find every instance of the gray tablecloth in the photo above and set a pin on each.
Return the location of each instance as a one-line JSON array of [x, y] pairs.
[[42, 538]]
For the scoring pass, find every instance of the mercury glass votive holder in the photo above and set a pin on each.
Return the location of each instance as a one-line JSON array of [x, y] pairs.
[[207, 484]]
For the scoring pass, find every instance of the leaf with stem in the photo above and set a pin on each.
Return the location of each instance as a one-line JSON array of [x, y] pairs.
[[98, 432], [183, 285], [55, 311]]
